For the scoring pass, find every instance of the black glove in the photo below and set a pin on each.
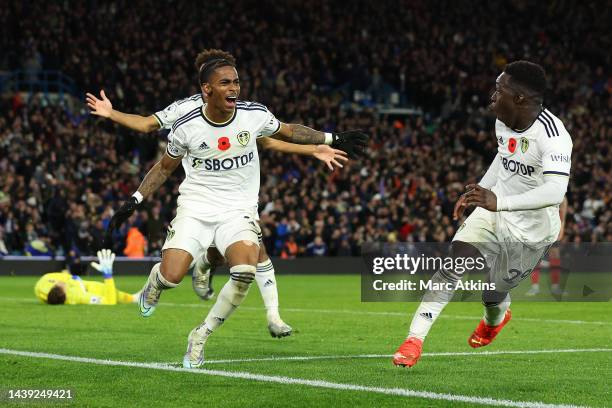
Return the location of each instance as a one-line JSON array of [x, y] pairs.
[[122, 214], [353, 142]]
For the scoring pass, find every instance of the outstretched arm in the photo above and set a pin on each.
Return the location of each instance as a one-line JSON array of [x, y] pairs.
[[152, 181], [104, 108], [158, 175], [331, 157], [300, 134]]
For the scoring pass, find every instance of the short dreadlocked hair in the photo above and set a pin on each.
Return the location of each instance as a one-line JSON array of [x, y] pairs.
[[528, 74], [208, 60]]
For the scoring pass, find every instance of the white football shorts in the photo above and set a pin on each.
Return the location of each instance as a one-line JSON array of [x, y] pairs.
[[256, 219], [195, 236], [509, 260]]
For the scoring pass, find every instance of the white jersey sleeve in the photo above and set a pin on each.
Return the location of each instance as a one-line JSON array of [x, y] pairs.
[[177, 109], [177, 143], [263, 119], [167, 116], [490, 177], [270, 126], [550, 193], [556, 155]]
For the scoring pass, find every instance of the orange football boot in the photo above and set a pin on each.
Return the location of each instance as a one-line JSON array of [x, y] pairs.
[[485, 334], [408, 353]]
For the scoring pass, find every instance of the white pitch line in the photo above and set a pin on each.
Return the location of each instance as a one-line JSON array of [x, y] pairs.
[[454, 317], [16, 299], [296, 381], [439, 354], [356, 312]]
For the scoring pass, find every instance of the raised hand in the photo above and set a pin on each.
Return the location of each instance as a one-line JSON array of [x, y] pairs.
[[106, 257], [331, 157], [99, 107], [353, 142]]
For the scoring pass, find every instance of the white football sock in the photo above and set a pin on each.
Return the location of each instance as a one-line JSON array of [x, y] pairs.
[[157, 279], [424, 318], [231, 296], [494, 314], [269, 292], [431, 306]]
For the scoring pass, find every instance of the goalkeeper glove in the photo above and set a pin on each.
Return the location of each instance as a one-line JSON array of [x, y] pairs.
[[353, 142], [106, 257]]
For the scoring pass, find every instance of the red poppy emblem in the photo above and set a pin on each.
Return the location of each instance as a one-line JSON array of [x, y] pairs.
[[224, 143], [512, 145]]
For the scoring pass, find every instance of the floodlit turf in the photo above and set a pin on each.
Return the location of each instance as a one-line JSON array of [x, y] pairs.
[[308, 303]]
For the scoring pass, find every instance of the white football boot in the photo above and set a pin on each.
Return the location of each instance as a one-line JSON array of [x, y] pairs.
[[148, 299], [194, 357], [279, 329]]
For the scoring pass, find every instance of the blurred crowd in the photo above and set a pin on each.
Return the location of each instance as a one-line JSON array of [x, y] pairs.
[[329, 65]]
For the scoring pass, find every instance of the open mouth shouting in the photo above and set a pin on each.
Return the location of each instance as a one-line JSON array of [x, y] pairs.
[[231, 101]]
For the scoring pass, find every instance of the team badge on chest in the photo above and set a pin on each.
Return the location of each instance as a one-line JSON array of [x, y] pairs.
[[524, 144], [243, 138]]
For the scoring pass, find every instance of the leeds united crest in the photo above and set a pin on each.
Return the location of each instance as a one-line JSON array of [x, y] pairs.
[[243, 138]]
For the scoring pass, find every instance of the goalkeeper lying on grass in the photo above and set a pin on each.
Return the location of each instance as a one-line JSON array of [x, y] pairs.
[[59, 288]]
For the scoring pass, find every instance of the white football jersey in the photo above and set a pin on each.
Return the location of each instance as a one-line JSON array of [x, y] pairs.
[[222, 159], [526, 157], [175, 110]]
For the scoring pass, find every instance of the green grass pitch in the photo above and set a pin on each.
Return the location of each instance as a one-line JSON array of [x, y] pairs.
[[329, 320]]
